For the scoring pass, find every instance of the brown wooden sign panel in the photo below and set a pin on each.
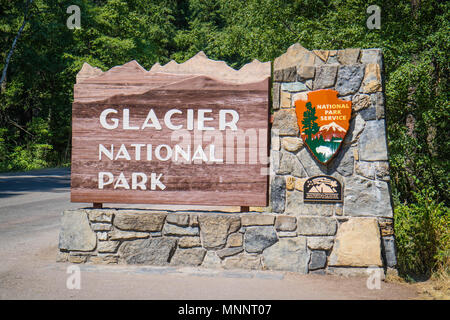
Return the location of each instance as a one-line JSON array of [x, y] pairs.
[[170, 138]]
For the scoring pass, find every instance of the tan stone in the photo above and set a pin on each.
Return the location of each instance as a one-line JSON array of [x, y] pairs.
[[234, 240], [360, 102], [101, 215], [306, 71], [257, 209], [348, 56], [189, 242], [77, 259], [286, 223], [356, 154], [104, 259], [300, 96], [292, 144], [299, 184], [357, 244], [293, 56], [320, 243], [243, 261], [322, 54], [107, 246], [285, 100], [257, 220], [126, 235], [62, 256], [372, 78], [387, 227], [193, 220], [290, 183], [139, 220], [214, 229]]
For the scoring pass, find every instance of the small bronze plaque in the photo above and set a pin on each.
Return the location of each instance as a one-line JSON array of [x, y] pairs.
[[322, 189]]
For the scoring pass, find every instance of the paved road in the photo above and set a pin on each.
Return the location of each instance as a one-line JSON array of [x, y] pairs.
[[30, 208]]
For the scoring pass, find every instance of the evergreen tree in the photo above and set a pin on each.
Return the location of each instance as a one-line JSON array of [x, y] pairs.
[[310, 125]]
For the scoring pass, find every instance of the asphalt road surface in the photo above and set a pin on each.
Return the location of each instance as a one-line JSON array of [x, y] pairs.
[[30, 208]]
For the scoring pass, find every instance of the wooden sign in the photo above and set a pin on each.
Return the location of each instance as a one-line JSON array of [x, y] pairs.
[[323, 120], [191, 133], [322, 189]]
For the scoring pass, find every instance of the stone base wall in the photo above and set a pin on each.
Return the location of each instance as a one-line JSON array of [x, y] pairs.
[[257, 241]]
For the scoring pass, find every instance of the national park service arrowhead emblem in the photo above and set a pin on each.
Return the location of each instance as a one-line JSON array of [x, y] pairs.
[[323, 120]]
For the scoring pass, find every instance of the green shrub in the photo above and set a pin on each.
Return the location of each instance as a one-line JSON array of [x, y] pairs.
[[423, 236]]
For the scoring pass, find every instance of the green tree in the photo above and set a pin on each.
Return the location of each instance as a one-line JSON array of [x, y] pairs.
[[309, 123]]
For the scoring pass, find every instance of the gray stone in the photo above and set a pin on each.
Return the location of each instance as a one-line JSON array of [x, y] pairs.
[[369, 113], [325, 77], [211, 260], [227, 252], [257, 219], [365, 169], [157, 251], [290, 164], [278, 193], [293, 87], [288, 254], [107, 246], [366, 198], [320, 243], [76, 234], [314, 209], [382, 170], [285, 223], [389, 251], [343, 161], [178, 219], [285, 120], [275, 142], [174, 230], [357, 125], [377, 100], [333, 60], [214, 229], [316, 226], [137, 220], [276, 96], [102, 235], [318, 260], [285, 75], [372, 143], [188, 257], [349, 79], [294, 203], [348, 56], [275, 157], [256, 239], [312, 167]]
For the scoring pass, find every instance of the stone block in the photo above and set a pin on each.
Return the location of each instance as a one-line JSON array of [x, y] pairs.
[[356, 127], [107, 246], [285, 120], [257, 220], [137, 220], [293, 87], [104, 259], [189, 242], [290, 183], [188, 257], [155, 251], [349, 79], [101, 226], [372, 143], [256, 239], [389, 251], [371, 56], [290, 164], [325, 77], [285, 223], [299, 183], [287, 234], [288, 254], [348, 56], [285, 100], [243, 261], [278, 193], [365, 169], [178, 219], [318, 260], [305, 72], [76, 233], [291, 144], [296, 54], [101, 215], [320, 243], [357, 244], [276, 96], [372, 79], [366, 198], [214, 229], [126, 235], [285, 75], [294, 203], [316, 226], [174, 230], [211, 260], [312, 167], [235, 240]]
